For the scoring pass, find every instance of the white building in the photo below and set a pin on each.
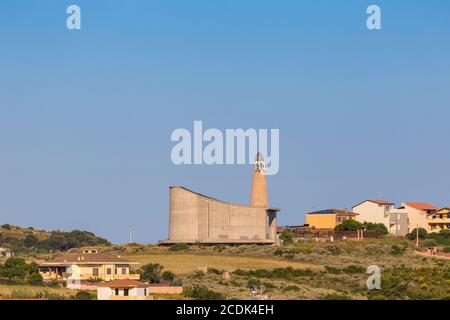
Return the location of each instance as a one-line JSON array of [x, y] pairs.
[[380, 211], [126, 289], [417, 214]]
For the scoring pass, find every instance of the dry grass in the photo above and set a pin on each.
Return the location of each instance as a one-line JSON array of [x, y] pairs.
[[186, 263], [7, 290]]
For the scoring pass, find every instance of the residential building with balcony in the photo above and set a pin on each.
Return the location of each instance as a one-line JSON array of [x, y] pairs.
[[381, 211], [85, 270], [439, 220], [418, 213]]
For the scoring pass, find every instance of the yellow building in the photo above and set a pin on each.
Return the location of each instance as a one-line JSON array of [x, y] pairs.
[[439, 220], [329, 218], [85, 270]]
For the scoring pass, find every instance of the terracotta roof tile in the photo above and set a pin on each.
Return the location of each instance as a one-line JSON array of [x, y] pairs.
[[380, 202], [421, 205], [122, 283], [89, 258]]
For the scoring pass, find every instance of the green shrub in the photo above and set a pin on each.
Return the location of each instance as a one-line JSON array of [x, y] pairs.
[[442, 238], [219, 248], [6, 226], [234, 283], [336, 297], [446, 249], [151, 272], [422, 234], [289, 256], [396, 250], [290, 288], [253, 282], [377, 227], [334, 250], [202, 293], [83, 295], [214, 271], [278, 252], [349, 225], [179, 247], [23, 294], [17, 269], [240, 272], [354, 269], [261, 273], [168, 276], [287, 237], [333, 270], [269, 285], [430, 243], [198, 275]]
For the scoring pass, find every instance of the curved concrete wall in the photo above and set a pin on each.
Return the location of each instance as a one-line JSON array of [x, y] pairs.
[[197, 218]]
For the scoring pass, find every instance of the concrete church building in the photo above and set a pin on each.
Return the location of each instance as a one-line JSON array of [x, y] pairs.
[[196, 218]]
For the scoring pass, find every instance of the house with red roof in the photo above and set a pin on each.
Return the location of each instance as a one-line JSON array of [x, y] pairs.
[[84, 270], [124, 289], [418, 213]]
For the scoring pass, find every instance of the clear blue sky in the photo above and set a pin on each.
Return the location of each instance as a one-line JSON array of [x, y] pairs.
[[86, 116]]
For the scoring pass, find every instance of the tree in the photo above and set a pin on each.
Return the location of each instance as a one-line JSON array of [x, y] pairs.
[[31, 241], [168, 276], [17, 268], [349, 225], [151, 272], [378, 227], [83, 295], [430, 243], [422, 234], [287, 237], [34, 279]]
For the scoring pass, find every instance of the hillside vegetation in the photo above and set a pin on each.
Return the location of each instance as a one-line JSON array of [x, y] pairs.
[[303, 270], [29, 240]]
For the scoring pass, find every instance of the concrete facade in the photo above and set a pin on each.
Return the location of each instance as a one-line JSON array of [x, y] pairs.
[[379, 211], [328, 219], [196, 218], [418, 213], [123, 290]]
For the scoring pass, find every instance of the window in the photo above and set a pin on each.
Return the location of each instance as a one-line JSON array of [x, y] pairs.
[[108, 271], [116, 292], [116, 271], [125, 292], [448, 226], [441, 216], [95, 271], [448, 215], [124, 270], [145, 292]]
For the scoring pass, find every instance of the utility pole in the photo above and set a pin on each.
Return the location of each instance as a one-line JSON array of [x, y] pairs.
[[417, 236]]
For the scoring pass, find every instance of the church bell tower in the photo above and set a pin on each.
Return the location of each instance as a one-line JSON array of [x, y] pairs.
[[259, 196]]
